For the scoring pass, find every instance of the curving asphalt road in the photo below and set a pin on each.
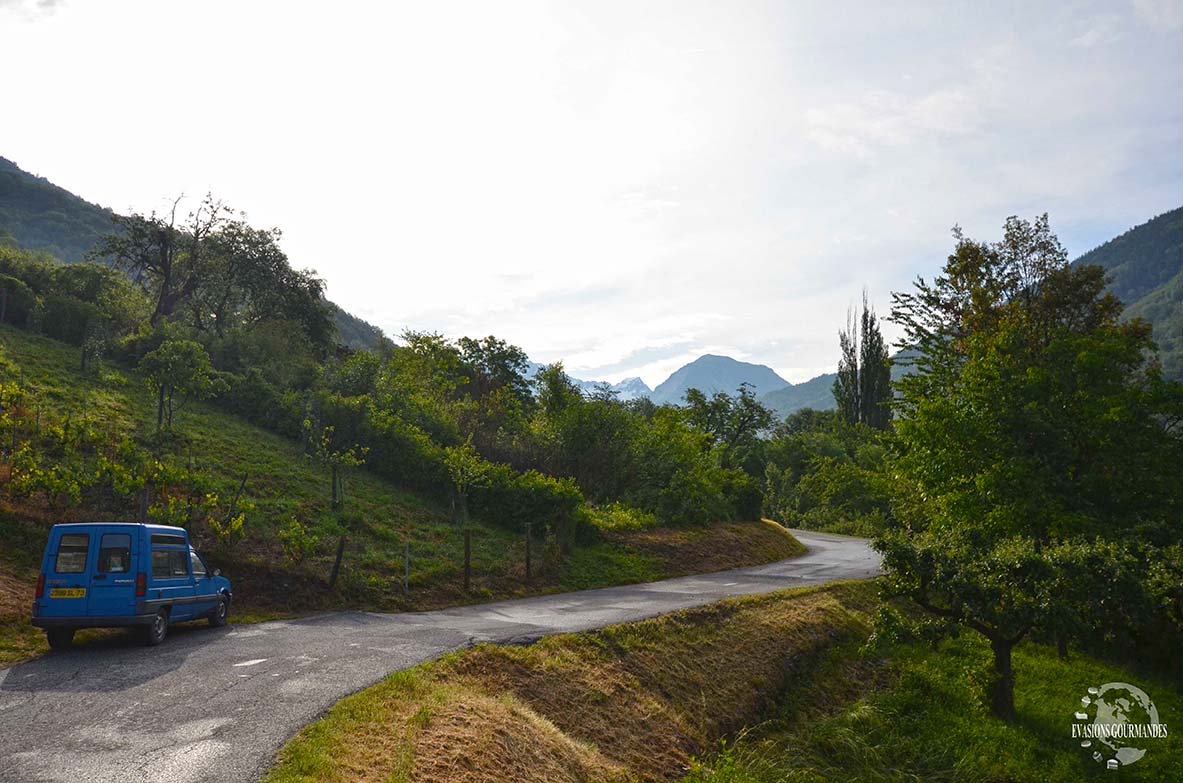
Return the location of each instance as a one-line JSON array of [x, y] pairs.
[[215, 705]]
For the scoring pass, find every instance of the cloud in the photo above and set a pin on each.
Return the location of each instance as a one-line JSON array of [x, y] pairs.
[[31, 9], [1163, 14]]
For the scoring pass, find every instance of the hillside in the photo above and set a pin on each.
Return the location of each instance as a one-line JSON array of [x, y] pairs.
[[1146, 266], [40, 216], [816, 393], [711, 373], [282, 484]]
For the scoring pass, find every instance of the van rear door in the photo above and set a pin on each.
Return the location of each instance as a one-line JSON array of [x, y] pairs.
[[113, 578], [68, 560]]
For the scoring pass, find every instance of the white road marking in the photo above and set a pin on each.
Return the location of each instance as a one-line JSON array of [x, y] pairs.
[[251, 663]]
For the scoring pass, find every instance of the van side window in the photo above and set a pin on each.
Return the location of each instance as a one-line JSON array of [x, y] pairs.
[[167, 540], [198, 566], [169, 564], [72, 549], [115, 553]]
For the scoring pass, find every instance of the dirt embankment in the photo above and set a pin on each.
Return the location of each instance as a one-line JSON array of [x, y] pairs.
[[628, 703]]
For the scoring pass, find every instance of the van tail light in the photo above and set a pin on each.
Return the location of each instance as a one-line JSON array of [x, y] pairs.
[[141, 585], [40, 585]]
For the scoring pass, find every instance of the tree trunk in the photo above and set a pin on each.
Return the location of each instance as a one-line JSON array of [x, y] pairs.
[[1002, 695], [337, 563], [1062, 646], [160, 409], [336, 490]]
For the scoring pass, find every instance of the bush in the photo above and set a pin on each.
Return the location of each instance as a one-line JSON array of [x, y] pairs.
[[618, 516], [253, 398], [67, 318], [21, 301]]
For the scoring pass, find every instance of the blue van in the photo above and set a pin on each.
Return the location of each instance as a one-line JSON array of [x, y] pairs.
[[120, 574]]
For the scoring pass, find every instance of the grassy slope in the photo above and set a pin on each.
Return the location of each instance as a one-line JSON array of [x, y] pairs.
[[282, 483], [628, 702], [926, 722], [780, 677]]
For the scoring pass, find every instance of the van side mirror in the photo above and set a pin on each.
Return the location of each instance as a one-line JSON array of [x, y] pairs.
[[217, 572]]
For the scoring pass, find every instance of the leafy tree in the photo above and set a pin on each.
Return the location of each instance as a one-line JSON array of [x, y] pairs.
[[466, 469], [734, 423], [178, 371], [166, 259], [495, 364], [325, 448], [862, 389], [1037, 449]]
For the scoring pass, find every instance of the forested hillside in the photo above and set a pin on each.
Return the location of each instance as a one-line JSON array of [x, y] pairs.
[[1146, 265], [39, 216]]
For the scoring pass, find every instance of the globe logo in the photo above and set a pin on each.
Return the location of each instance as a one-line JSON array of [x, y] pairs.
[[1116, 723]]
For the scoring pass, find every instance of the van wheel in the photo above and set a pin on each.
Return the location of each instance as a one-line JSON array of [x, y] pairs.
[[60, 638], [217, 618], [154, 634]]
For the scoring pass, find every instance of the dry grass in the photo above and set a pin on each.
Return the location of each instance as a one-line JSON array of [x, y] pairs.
[[632, 702], [715, 548]]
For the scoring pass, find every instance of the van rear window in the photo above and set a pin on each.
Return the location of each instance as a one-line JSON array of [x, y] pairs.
[[167, 540], [115, 553], [72, 549], [169, 564]]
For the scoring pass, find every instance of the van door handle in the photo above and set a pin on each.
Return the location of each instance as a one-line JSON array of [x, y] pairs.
[[99, 576]]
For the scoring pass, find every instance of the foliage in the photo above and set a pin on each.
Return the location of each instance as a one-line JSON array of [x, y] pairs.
[[733, 423], [178, 371], [1036, 438], [297, 542], [862, 388], [824, 474], [618, 516]]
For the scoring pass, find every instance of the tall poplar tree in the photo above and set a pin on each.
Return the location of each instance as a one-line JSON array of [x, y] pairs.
[[862, 389]]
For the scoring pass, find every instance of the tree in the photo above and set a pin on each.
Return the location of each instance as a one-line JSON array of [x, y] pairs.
[[324, 448], [166, 259], [733, 422], [862, 389], [178, 371], [466, 469], [1036, 449]]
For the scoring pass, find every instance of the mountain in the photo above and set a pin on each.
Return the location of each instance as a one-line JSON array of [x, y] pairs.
[[1146, 267], [628, 389], [816, 393], [38, 215], [631, 389], [711, 373]]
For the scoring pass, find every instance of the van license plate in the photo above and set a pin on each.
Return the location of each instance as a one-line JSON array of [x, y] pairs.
[[68, 592]]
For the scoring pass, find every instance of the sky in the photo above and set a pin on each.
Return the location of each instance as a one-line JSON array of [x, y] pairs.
[[623, 186]]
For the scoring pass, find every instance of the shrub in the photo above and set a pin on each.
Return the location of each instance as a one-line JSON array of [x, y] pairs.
[[20, 301], [297, 542], [618, 516], [67, 318]]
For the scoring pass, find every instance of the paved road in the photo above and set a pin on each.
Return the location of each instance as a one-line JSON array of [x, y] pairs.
[[215, 705]]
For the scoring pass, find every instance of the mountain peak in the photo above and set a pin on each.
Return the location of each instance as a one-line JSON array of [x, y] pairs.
[[712, 373]]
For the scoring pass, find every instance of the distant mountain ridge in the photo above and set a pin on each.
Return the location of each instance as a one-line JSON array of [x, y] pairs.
[[41, 216]]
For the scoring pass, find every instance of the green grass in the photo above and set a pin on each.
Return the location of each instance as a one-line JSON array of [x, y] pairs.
[[927, 722]]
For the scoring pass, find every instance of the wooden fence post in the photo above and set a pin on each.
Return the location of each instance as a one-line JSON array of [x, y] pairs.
[[407, 567], [527, 552], [467, 559]]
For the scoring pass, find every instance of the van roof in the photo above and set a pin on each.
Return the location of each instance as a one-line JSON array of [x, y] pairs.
[[162, 528]]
